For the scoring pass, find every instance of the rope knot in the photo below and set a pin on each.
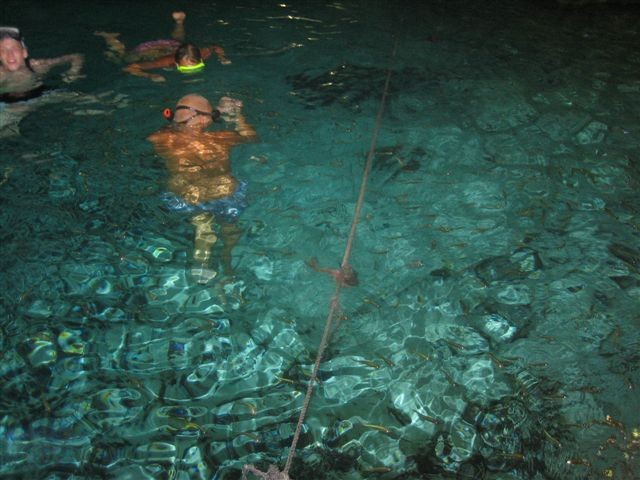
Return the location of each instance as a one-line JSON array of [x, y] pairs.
[[273, 473], [345, 276]]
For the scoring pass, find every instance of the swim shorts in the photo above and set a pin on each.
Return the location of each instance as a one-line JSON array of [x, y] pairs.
[[229, 208]]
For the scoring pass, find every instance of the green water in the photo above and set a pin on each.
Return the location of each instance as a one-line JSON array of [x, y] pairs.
[[494, 330]]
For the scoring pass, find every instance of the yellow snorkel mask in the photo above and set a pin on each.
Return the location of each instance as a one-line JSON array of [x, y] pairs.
[[190, 68]]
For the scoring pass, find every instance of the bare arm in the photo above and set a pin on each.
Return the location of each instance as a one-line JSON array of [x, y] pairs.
[[76, 60], [139, 69], [218, 50], [231, 111], [245, 129], [178, 29]]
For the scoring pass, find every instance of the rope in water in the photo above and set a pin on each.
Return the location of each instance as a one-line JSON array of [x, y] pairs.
[[332, 321]]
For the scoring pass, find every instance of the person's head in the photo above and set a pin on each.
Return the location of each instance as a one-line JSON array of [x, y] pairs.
[[188, 58], [13, 51], [194, 111]]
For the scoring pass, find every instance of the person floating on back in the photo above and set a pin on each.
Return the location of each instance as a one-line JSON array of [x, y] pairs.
[[201, 181], [22, 77], [164, 53]]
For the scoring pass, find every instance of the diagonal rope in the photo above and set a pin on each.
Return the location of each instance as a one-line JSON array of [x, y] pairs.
[[333, 320], [368, 165], [345, 262]]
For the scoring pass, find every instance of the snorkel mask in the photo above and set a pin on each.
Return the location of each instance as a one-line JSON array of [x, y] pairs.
[[190, 68], [170, 114]]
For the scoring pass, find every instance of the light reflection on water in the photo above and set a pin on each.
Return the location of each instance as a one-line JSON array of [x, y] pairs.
[[493, 333]]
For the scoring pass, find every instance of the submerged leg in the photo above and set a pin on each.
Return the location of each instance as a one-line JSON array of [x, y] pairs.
[[230, 233], [205, 239]]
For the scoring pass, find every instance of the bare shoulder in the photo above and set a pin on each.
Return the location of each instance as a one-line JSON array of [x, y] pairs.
[[160, 136]]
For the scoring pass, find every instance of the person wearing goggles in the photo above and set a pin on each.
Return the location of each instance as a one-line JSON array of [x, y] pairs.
[[162, 54], [200, 178]]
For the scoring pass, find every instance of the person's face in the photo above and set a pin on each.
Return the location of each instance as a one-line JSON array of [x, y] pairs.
[[187, 62], [12, 54]]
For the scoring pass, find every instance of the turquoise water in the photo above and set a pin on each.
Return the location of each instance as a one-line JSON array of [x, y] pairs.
[[494, 332]]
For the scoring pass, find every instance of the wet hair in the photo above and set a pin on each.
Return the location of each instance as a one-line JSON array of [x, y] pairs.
[[14, 34], [11, 32], [188, 51]]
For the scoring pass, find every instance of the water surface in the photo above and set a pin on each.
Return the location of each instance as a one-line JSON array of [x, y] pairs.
[[494, 331]]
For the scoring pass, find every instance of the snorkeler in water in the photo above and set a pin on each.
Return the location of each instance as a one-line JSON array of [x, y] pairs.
[[165, 53], [201, 181], [22, 77]]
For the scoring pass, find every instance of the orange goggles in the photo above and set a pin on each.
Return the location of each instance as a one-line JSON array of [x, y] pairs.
[[170, 114]]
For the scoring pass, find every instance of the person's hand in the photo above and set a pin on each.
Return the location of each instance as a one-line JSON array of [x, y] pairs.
[[229, 108], [220, 53], [179, 16], [70, 77], [157, 78]]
